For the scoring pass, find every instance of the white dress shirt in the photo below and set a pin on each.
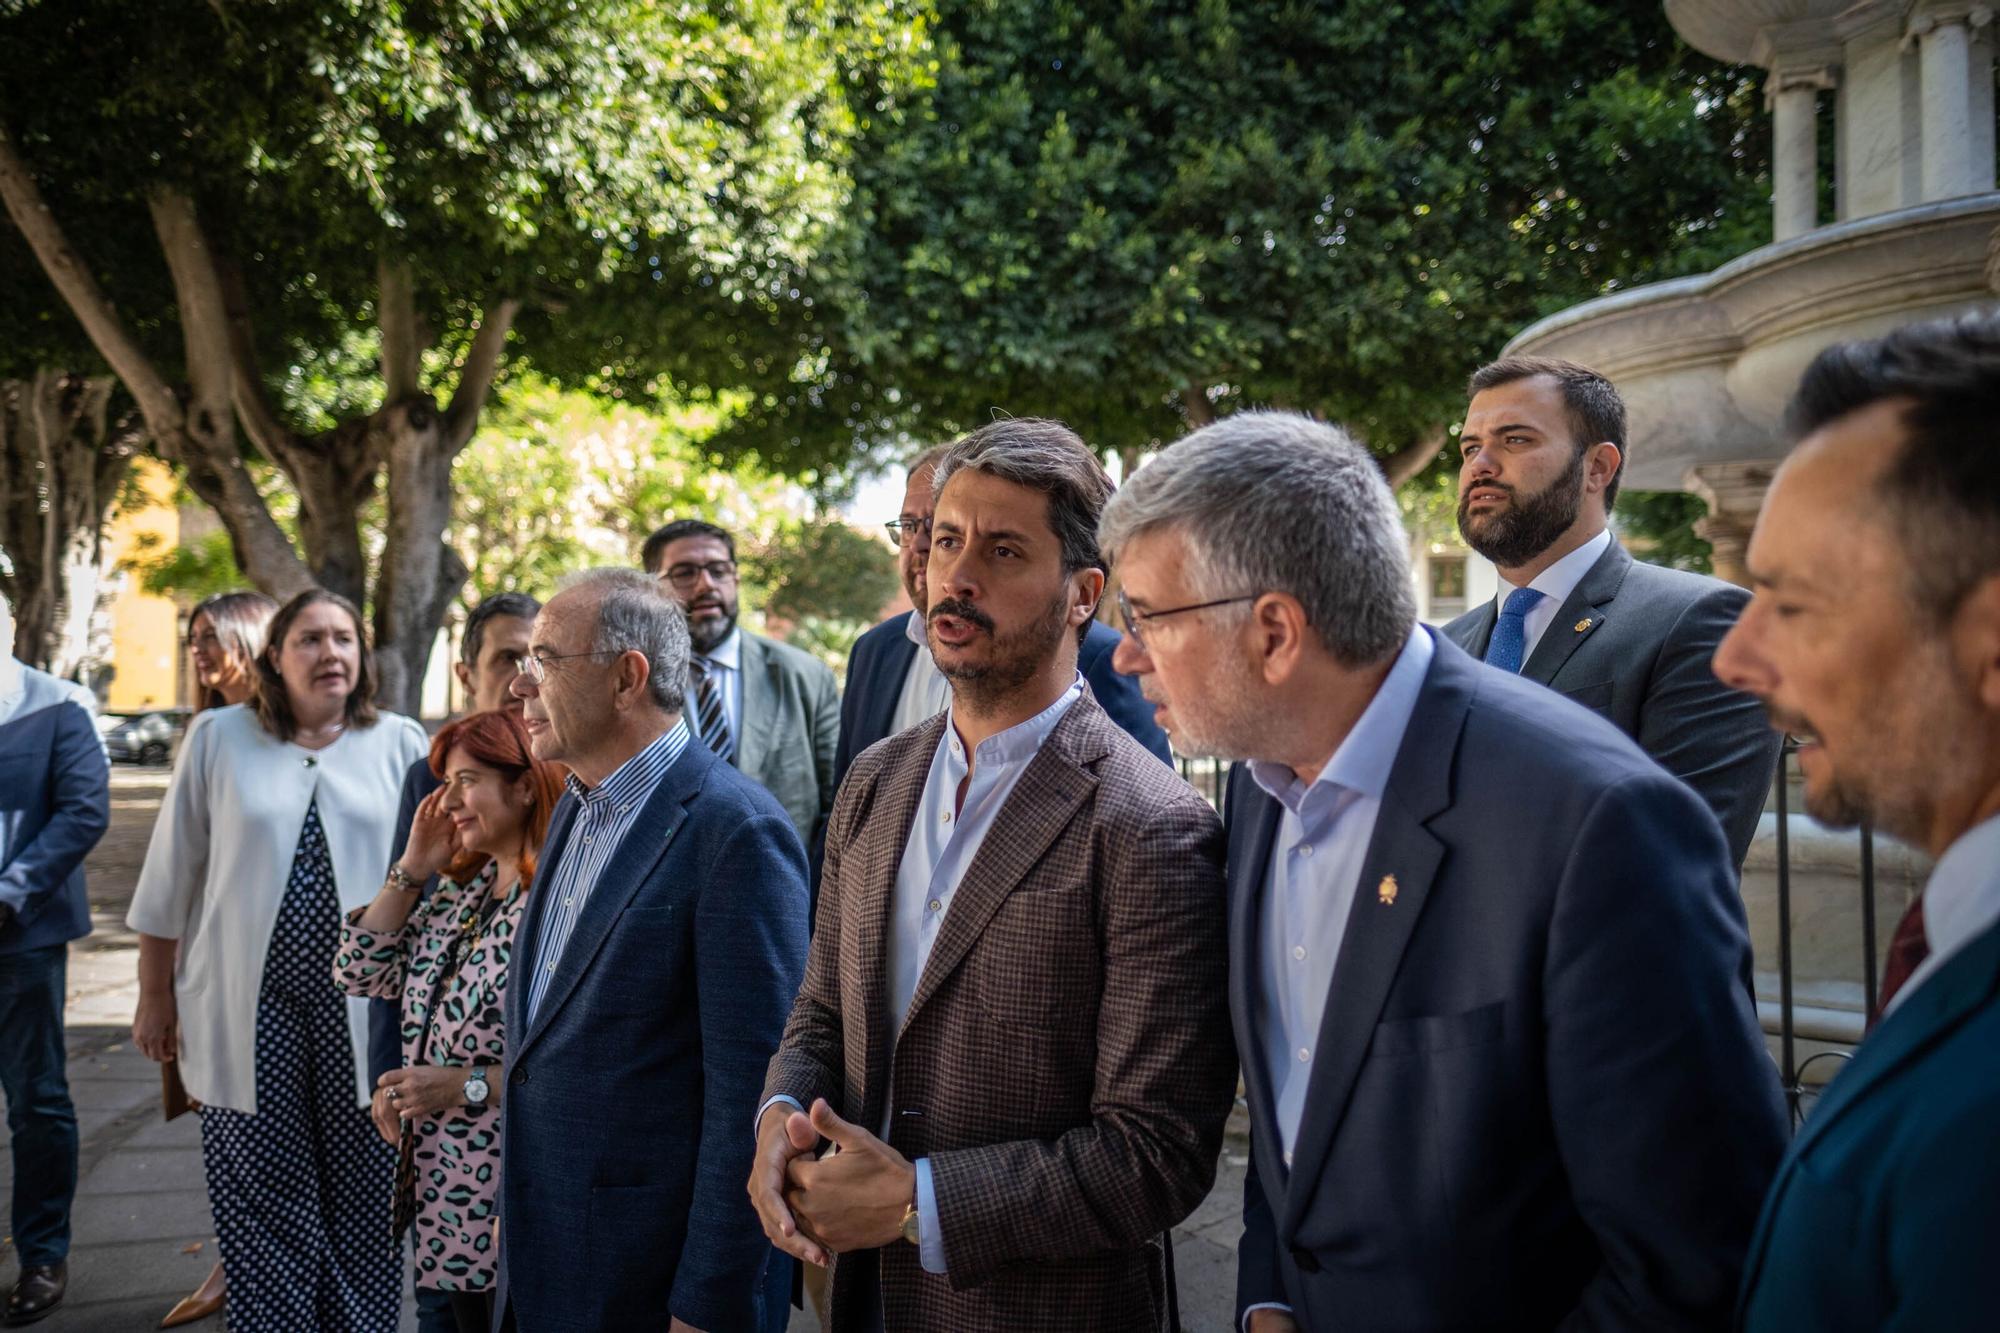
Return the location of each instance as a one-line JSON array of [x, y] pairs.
[[943, 840], [1312, 879], [925, 690], [1961, 901], [726, 665], [1555, 584]]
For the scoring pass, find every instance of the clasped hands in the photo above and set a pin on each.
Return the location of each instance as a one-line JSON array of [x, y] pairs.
[[814, 1208]]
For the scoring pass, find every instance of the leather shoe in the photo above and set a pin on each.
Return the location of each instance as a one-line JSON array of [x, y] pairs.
[[37, 1292], [205, 1301]]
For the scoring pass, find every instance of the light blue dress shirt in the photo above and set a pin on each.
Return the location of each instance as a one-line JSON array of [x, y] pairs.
[[605, 815], [1314, 873], [726, 665], [944, 838]]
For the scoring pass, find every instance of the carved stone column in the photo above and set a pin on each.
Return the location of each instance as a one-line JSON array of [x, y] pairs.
[[1793, 96], [1734, 493], [1956, 78]]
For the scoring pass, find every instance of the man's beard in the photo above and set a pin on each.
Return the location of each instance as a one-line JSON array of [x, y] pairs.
[[1018, 656], [707, 635], [1529, 524]]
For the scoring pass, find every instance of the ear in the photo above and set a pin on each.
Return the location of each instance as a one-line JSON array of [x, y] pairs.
[[1975, 638], [464, 677], [1278, 622], [1087, 585], [1600, 465], [629, 675]]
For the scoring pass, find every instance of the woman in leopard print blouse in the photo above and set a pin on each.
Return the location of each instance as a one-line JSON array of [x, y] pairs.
[[446, 956]]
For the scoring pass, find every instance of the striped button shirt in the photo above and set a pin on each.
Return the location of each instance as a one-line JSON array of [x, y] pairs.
[[606, 814]]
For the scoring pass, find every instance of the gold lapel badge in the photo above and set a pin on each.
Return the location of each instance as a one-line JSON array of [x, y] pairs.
[[1385, 892], [1584, 624]]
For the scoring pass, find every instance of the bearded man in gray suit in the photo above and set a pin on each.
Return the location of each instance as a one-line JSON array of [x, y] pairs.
[[769, 709], [1541, 455]]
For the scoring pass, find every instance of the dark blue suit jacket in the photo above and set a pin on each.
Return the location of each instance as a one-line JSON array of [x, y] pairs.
[[1540, 1097], [1886, 1213], [629, 1100], [55, 803], [385, 1017], [881, 658]]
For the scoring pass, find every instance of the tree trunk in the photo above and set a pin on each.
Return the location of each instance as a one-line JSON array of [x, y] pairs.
[[1194, 402], [1412, 458], [62, 460]]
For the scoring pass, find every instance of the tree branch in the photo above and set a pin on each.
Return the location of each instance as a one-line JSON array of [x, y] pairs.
[[73, 280], [204, 317], [402, 344], [475, 378], [253, 400], [1194, 401], [1411, 459]]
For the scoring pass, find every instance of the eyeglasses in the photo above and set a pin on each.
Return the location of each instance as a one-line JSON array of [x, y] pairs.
[[903, 531], [536, 666], [685, 576], [1134, 619]]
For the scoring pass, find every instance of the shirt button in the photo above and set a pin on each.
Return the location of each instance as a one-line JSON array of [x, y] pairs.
[[548, 967], [566, 903], [936, 906], [586, 837], [1288, 1159], [1305, 849], [945, 818], [1304, 1055], [1298, 950]]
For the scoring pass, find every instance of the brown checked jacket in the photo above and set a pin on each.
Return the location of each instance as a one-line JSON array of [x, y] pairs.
[[1066, 1063]]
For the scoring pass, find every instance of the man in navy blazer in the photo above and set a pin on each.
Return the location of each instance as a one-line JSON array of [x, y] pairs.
[[655, 967], [1874, 637], [55, 803], [1489, 973], [891, 682]]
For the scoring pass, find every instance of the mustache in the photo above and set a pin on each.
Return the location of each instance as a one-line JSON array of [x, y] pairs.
[[960, 609], [1792, 724], [1503, 486]]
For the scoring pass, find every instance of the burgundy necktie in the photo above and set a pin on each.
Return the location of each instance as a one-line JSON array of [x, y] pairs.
[[1906, 951]]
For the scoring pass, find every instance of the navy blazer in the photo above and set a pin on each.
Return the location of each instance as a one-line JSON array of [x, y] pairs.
[[626, 1122], [1540, 1097], [55, 803], [1634, 643], [1886, 1213], [880, 659]]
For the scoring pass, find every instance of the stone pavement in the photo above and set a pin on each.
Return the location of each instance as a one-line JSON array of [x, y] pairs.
[[142, 1233]]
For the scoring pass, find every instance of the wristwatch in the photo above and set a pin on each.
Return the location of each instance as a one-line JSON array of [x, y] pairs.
[[909, 1229], [476, 1091], [403, 879]]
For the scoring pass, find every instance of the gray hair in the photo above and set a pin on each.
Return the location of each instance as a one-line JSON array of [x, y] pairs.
[[1277, 502], [1044, 456], [636, 615]]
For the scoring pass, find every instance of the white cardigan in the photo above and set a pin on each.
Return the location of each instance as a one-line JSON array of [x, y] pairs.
[[222, 854]]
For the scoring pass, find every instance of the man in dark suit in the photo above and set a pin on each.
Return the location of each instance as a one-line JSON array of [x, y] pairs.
[[1488, 968], [770, 709], [658, 957], [1543, 448], [892, 683], [55, 803], [1874, 638], [1013, 1024]]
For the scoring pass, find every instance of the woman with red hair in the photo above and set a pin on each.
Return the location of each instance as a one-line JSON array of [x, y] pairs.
[[446, 956]]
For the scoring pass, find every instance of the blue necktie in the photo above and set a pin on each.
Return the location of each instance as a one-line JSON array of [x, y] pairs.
[[1510, 631]]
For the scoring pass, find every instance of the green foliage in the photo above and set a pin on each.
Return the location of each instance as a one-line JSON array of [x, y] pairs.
[[1337, 208], [1658, 527], [826, 580], [190, 571]]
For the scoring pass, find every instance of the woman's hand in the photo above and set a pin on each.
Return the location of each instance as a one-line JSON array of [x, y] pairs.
[[425, 1090], [433, 839], [156, 1027], [383, 1112]]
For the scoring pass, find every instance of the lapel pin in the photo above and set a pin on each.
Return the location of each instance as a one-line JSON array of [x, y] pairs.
[[1385, 892], [1584, 624]]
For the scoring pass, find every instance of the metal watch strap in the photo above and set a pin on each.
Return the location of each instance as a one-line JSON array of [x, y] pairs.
[[402, 878]]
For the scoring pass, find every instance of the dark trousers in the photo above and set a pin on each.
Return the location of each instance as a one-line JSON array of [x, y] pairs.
[[434, 1311], [40, 1116]]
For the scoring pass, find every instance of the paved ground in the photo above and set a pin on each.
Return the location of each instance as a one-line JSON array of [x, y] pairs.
[[143, 1235]]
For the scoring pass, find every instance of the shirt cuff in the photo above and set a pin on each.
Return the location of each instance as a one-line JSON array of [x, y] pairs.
[[1261, 1305], [758, 1119], [930, 1233]]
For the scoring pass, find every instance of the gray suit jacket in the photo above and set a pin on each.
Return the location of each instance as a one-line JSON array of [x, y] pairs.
[[1633, 644], [791, 729]]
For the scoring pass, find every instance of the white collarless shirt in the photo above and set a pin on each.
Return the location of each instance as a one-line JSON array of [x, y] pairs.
[[925, 690], [1555, 584]]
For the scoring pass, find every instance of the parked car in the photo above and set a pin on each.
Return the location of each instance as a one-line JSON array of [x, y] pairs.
[[144, 738]]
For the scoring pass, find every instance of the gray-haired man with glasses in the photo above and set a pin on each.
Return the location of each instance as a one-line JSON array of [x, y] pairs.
[[766, 707]]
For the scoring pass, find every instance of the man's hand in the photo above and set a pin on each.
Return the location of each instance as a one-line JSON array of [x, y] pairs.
[[1273, 1321], [424, 1090], [856, 1198], [782, 1135]]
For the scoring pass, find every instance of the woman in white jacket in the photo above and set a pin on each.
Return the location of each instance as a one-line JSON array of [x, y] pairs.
[[277, 821]]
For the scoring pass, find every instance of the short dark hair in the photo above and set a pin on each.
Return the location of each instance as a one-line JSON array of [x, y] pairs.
[[273, 705], [1942, 493], [1596, 412], [517, 604], [657, 544]]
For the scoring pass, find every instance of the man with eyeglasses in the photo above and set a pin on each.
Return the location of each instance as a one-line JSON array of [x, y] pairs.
[[892, 682], [1487, 962], [768, 708]]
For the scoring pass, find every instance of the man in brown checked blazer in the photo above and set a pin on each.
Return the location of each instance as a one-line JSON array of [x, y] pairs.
[[1013, 1026]]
